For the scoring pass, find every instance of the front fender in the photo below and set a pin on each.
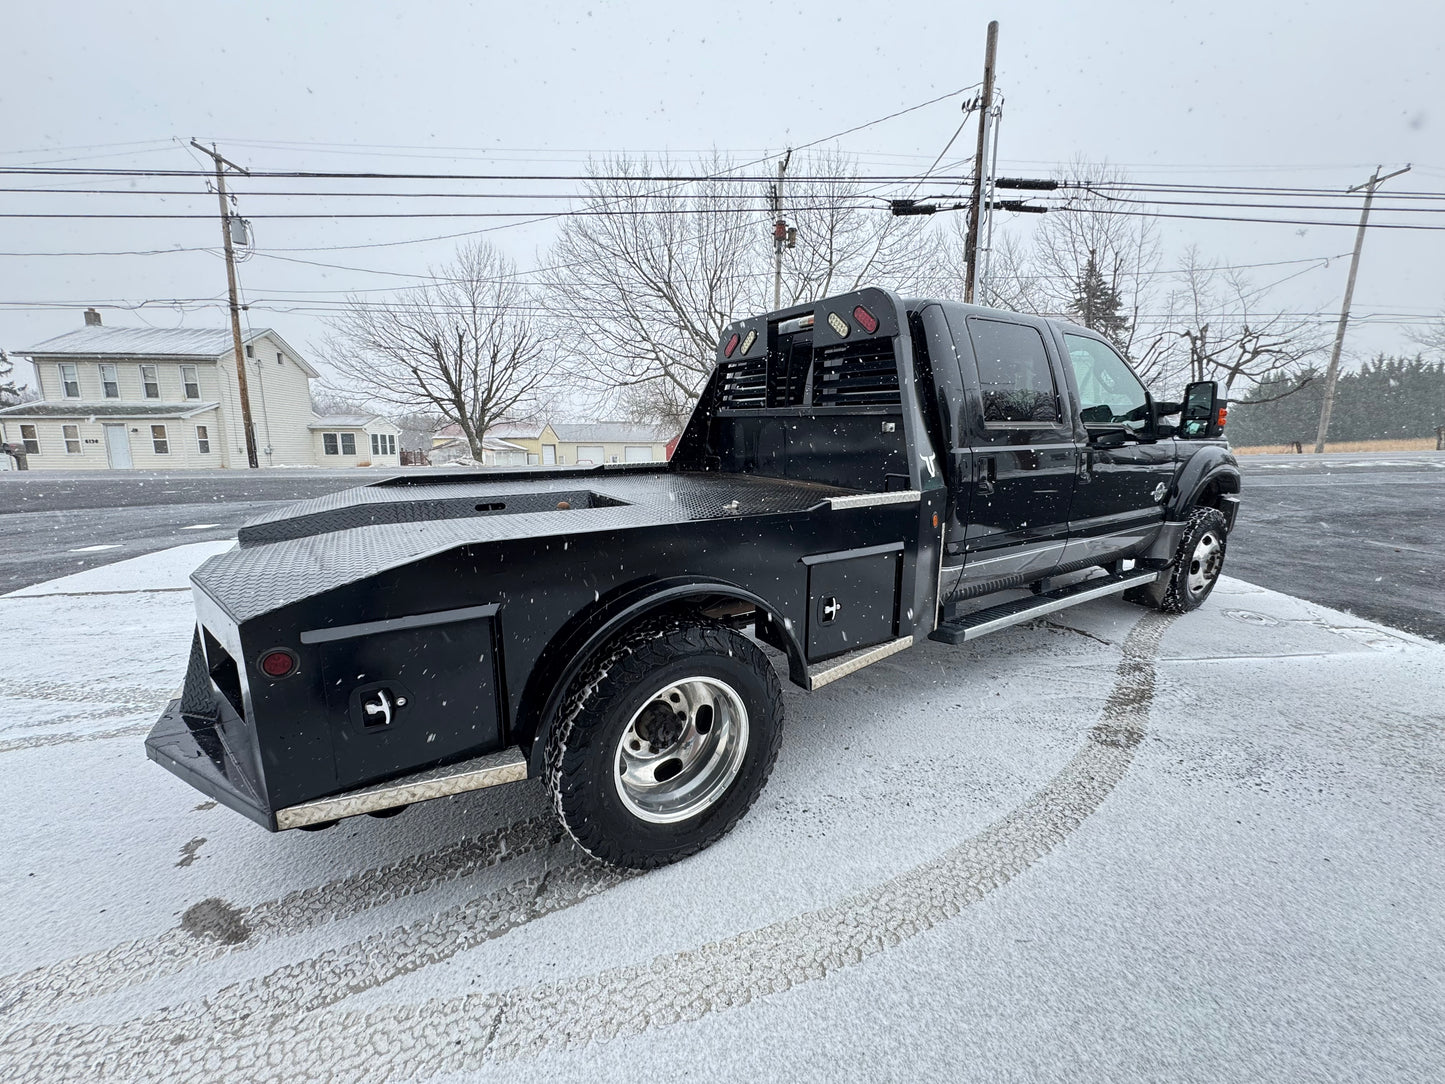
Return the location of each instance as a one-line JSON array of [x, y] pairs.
[[1211, 464]]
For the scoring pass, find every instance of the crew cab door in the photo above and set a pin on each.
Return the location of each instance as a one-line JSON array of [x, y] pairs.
[[1124, 470], [1024, 452]]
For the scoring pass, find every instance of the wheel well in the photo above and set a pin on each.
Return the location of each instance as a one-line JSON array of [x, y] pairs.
[[570, 651], [1214, 491]]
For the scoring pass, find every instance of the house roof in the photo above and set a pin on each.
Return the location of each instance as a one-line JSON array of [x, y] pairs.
[[581, 432], [106, 410], [344, 421], [95, 341]]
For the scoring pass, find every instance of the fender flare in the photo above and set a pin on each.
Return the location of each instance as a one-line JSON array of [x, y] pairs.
[[1206, 466], [572, 648]]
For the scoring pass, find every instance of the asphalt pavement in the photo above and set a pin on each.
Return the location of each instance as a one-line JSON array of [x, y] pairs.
[[1357, 532]]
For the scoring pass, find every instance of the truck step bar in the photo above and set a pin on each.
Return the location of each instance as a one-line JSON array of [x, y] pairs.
[[982, 622], [507, 766]]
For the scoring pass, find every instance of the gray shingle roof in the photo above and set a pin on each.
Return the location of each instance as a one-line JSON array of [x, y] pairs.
[[341, 421], [106, 410], [146, 342]]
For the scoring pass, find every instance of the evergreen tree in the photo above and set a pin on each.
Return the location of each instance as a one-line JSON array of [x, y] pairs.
[[1096, 304]]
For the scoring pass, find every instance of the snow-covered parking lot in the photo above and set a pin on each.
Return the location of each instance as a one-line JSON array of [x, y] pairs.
[[1108, 846]]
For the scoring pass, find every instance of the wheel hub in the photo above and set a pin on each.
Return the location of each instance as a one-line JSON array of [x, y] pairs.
[[682, 750]]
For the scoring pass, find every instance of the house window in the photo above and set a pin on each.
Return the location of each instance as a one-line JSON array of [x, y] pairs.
[[203, 440], [190, 381], [328, 443], [72, 439], [30, 440], [280, 358], [376, 444], [348, 443], [70, 380], [250, 350], [531, 459], [159, 441], [150, 381], [109, 380]]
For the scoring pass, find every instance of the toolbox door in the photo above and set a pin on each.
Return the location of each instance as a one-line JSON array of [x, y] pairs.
[[853, 599], [410, 692]]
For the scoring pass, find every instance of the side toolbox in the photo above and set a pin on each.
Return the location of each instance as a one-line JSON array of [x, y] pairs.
[[852, 599]]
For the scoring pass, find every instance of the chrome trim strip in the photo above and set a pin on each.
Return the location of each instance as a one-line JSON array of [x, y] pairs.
[[867, 500], [395, 624], [1113, 587], [827, 672], [1034, 549], [508, 766]]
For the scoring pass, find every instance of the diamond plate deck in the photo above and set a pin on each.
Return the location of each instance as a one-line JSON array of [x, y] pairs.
[[361, 532]]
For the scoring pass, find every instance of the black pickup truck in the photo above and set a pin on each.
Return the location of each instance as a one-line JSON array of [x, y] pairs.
[[858, 474]]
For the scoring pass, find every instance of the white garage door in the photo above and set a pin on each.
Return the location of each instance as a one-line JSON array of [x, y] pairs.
[[591, 453], [638, 453]]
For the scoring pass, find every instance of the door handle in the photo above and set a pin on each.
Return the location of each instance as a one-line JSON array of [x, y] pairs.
[[381, 706], [987, 476]]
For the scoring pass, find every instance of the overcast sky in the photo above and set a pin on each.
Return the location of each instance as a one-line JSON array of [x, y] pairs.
[[1299, 94]]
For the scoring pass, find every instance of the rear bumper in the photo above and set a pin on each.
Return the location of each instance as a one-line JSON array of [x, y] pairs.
[[197, 752]]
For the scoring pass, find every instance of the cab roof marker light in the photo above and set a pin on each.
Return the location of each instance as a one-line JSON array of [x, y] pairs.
[[748, 342], [838, 324], [731, 346]]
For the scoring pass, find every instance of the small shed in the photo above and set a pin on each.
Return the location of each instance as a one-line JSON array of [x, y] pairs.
[[355, 440]]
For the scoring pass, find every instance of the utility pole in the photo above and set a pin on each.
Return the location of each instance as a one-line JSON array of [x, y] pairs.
[[1332, 375], [246, 424], [781, 233], [970, 244]]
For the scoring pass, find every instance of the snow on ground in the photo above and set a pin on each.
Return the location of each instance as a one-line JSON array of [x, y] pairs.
[[1105, 846]]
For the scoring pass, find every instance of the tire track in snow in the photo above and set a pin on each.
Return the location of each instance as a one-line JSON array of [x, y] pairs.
[[461, 1033]]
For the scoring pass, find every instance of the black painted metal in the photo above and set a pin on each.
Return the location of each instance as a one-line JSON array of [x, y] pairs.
[[460, 608]]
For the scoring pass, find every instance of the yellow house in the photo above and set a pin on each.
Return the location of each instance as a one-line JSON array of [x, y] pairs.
[[586, 443]]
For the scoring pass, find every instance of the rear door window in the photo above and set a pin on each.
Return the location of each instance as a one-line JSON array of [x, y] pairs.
[[1015, 380]]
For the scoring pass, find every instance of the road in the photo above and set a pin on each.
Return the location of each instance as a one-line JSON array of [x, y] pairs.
[[1360, 533]]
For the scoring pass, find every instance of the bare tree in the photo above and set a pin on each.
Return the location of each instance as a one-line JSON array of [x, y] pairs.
[[845, 242], [466, 346], [1078, 253], [1219, 330], [645, 283]]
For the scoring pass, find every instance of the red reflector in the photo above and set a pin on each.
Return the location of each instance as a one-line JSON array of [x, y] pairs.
[[277, 664], [1223, 414], [866, 320], [731, 346]]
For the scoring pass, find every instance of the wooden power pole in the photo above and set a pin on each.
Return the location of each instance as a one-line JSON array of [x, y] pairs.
[[975, 207], [1332, 374], [780, 231], [246, 424]]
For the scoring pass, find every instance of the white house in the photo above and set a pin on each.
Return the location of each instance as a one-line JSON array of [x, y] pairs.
[[154, 398], [355, 440]]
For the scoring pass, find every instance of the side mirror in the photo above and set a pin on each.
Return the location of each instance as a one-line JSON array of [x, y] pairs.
[[1204, 413]]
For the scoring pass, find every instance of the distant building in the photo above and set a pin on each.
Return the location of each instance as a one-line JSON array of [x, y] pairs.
[[584, 443], [450, 446], [155, 398]]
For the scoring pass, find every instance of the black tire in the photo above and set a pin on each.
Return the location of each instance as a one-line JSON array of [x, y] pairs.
[[1192, 574], [587, 768]]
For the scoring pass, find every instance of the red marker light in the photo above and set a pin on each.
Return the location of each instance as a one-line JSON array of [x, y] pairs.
[[731, 346], [866, 320], [278, 664]]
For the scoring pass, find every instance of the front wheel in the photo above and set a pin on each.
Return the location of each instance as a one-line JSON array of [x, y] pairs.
[[1195, 569], [664, 742]]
